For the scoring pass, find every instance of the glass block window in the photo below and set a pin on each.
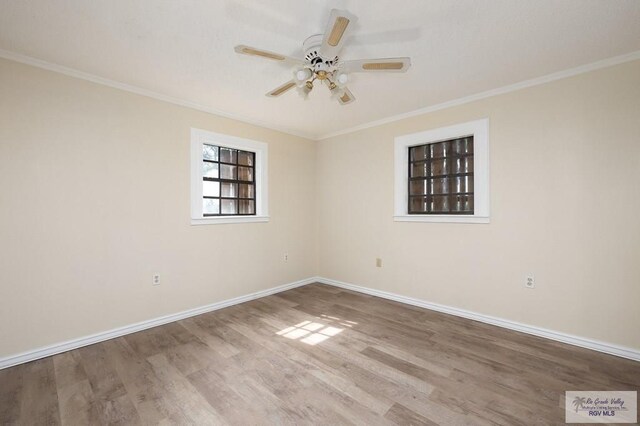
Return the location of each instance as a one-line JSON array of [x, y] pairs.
[[441, 177], [228, 181]]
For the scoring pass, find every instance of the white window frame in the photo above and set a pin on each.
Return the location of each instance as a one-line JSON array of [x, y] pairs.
[[480, 131], [200, 137]]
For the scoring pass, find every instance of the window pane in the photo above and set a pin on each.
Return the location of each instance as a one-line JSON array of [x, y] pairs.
[[210, 206], [229, 206], [418, 205], [419, 169], [461, 165], [210, 189], [245, 173], [228, 155], [461, 203], [440, 204], [418, 187], [210, 152], [456, 203], [247, 207], [229, 189], [462, 146], [440, 167], [418, 153], [210, 169], [458, 184], [466, 146], [440, 186], [468, 203], [246, 191], [461, 184], [441, 164], [468, 164], [245, 158], [227, 172], [440, 149]]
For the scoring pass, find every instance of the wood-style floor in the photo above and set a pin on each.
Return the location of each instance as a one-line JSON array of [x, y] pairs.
[[313, 355]]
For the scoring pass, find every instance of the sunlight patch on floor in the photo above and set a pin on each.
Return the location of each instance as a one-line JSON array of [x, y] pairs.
[[317, 330]]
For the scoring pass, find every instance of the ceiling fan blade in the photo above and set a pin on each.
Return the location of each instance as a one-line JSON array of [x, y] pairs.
[[252, 51], [340, 22], [346, 97], [376, 65], [281, 89]]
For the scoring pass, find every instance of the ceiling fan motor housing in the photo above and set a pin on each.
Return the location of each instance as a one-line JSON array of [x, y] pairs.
[[311, 48]]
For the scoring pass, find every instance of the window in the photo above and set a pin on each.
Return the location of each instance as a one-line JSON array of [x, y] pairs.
[[442, 175], [228, 179], [228, 186]]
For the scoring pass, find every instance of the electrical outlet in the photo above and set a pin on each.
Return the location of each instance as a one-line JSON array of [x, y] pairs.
[[286, 257], [530, 282], [378, 262], [156, 279]]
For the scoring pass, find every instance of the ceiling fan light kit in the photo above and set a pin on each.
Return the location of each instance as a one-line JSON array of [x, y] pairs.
[[304, 90], [321, 61], [303, 75]]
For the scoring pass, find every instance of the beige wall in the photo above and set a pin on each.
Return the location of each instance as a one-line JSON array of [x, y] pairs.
[[94, 199], [565, 175]]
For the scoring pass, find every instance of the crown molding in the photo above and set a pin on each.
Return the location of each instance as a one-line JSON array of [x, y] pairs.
[[605, 63], [39, 63], [49, 66]]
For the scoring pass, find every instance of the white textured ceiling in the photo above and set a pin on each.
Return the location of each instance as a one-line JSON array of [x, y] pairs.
[[184, 49]]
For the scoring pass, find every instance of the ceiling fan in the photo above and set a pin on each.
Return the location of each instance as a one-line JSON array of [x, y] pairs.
[[322, 62]]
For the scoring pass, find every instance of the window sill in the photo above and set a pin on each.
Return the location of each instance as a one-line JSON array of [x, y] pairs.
[[229, 219], [441, 218]]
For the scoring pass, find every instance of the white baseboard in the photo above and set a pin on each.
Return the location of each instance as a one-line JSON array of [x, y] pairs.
[[57, 348], [133, 328], [608, 348]]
